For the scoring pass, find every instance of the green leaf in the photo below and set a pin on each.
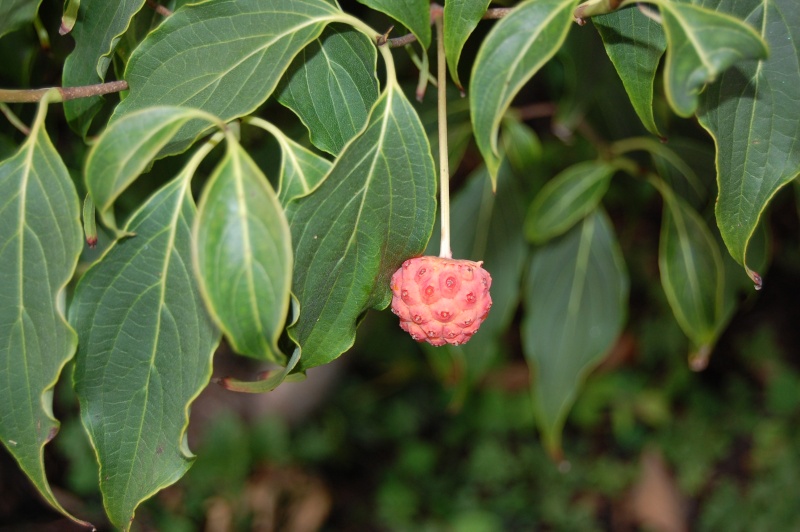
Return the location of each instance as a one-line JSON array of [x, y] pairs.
[[413, 14], [375, 209], [692, 271], [521, 145], [40, 241], [567, 198], [515, 49], [127, 148], [331, 86], [301, 170], [243, 255], [145, 351], [701, 44], [15, 13], [460, 19], [575, 302], [225, 57], [96, 32], [754, 116], [635, 44]]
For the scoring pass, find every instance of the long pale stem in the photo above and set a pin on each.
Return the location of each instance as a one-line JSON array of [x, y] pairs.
[[444, 165]]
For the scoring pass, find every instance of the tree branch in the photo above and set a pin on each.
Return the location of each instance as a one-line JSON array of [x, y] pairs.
[[67, 93], [158, 8], [436, 10]]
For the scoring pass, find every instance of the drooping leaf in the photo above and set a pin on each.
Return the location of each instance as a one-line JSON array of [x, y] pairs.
[[225, 57], [374, 209], [331, 86], [15, 13], [575, 302], [145, 351], [413, 14], [243, 255], [40, 241], [635, 44], [692, 271], [96, 32], [488, 227], [567, 198], [754, 116], [515, 49], [127, 148], [460, 19], [701, 44]]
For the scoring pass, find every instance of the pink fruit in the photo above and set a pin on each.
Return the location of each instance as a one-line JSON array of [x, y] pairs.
[[441, 301]]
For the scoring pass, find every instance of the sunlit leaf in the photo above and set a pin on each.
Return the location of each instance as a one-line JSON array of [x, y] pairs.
[[515, 49], [243, 256], [701, 44], [413, 14], [127, 148], [40, 241], [145, 351], [97, 30], [575, 306], [331, 85], [754, 116], [374, 210], [460, 19], [567, 198], [225, 57], [635, 44]]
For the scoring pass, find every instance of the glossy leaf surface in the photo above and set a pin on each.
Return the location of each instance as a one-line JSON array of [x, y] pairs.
[[753, 113], [635, 44], [145, 351], [40, 241], [243, 255], [331, 86], [127, 148], [566, 199], [374, 210], [96, 32], [515, 49], [575, 301], [701, 44], [224, 57], [460, 19], [413, 14]]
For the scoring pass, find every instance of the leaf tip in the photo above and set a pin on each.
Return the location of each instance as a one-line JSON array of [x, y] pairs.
[[758, 281]]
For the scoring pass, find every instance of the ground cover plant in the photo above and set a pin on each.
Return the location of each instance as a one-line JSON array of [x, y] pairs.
[[261, 169]]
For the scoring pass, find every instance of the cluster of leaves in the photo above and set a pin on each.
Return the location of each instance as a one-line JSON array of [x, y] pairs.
[[285, 268]]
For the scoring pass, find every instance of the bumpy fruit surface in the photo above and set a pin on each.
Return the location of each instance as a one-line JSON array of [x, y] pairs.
[[440, 300]]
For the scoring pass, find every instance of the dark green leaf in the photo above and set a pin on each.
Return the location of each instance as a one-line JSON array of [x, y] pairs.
[[145, 351], [635, 44], [331, 85], [375, 209], [224, 57], [243, 256], [521, 145], [575, 302], [40, 241], [15, 13], [460, 19], [511, 54], [97, 30], [701, 44], [127, 148], [413, 14], [754, 116], [567, 198], [692, 271]]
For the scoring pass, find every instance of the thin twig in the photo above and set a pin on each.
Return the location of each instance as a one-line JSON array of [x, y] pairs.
[[535, 110], [67, 93], [158, 8], [436, 10], [15, 121]]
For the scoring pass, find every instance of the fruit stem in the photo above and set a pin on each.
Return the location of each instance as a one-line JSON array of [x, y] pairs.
[[444, 166]]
